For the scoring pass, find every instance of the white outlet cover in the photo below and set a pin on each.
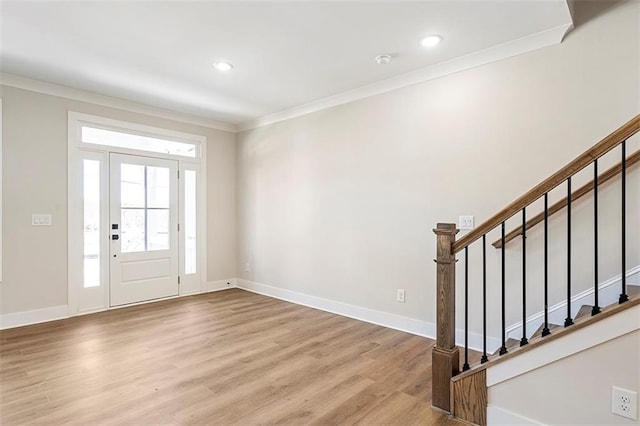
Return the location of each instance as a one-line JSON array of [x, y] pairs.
[[624, 403], [40, 219], [465, 222]]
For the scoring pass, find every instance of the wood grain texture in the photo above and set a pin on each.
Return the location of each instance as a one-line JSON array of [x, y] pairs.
[[445, 285], [225, 358], [445, 365], [445, 356], [551, 326], [598, 150], [633, 159], [469, 398]]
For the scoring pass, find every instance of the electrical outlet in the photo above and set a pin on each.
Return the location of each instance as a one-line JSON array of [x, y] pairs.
[[465, 222], [247, 267], [624, 403], [400, 295], [41, 220]]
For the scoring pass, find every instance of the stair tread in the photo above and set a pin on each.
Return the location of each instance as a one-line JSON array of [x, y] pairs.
[[584, 311], [539, 330], [633, 291], [510, 343]]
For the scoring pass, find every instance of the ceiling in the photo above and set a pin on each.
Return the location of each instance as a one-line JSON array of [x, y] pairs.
[[286, 54]]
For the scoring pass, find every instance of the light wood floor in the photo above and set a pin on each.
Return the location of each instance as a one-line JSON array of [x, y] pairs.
[[230, 357]]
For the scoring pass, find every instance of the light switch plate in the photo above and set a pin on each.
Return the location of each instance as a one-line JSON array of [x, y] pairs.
[[41, 219], [465, 222]]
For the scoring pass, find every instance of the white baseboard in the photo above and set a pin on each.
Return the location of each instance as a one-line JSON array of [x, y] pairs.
[[609, 291], [476, 343], [397, 322], [220, 285], [385, 319], [19, 319], [498, 417], [36, 316]]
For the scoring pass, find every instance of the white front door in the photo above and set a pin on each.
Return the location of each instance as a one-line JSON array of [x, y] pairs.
[[143, 228]]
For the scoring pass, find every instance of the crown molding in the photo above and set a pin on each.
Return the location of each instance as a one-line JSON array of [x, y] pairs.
[[108, 101], [506, 50], [499, 52]]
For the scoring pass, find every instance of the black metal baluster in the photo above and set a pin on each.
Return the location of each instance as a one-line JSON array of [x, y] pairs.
[[596, 307], [623, 296], [484, 300], [545, 330], [465, 367], [503, 348], [524, 339], [568, 321]]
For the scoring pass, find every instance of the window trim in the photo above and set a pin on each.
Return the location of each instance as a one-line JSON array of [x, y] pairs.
[[79, 119]]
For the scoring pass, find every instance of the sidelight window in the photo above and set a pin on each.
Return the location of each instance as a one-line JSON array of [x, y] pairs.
[[91, 213]]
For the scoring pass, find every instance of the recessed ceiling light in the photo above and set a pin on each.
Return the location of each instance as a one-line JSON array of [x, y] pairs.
[[431, 40], [223, 66]]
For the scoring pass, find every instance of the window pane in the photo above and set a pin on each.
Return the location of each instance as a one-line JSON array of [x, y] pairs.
[[158, 238], [158, 187], [132, 230], [144, 143], [190, 222], [91, 185], [132, 185]]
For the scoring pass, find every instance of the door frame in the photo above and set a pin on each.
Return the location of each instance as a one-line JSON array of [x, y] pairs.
[[83, 300]]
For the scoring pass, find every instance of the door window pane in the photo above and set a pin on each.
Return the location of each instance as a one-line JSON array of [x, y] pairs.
[[132, 185], [158, 225], [145, 202], [91, 198], [190, 222], [158, 187], [132, 234]]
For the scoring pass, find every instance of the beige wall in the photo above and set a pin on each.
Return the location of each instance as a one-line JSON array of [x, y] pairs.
[[575, 390], [35, 181], [340, 203]]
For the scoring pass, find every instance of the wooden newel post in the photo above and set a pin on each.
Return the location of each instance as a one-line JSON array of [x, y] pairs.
[[445, 357]]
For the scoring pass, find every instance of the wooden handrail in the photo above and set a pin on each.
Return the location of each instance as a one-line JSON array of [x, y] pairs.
[[583, 190], [598, 150]]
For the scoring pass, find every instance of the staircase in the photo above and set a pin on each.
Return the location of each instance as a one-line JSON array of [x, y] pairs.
[[460, 385]]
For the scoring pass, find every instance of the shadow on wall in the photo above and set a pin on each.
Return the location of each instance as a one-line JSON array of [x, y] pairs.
[[584, 11]]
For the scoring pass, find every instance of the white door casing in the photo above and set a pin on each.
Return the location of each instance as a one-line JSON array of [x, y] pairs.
[[143, 228], [94, 295]]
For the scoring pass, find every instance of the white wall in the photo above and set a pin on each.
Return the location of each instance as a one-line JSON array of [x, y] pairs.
[[339, 204], [35, 181], [575, 390]]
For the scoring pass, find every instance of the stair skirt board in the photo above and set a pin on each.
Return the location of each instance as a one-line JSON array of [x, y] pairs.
[[496, 416], [608, 294], [580, 339]]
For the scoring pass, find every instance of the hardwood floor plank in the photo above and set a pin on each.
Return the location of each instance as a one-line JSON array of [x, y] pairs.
[[224, 358], [322, 402]]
